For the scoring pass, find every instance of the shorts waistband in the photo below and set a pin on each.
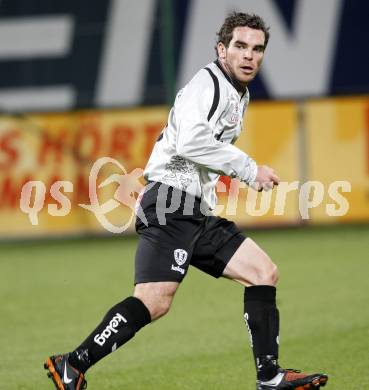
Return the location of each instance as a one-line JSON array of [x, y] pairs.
[[174, 200]]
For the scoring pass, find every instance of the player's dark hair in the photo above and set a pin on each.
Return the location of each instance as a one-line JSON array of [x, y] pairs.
[[240, 19]]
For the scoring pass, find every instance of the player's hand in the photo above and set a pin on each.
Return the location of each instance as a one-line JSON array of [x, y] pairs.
[[266, 179]]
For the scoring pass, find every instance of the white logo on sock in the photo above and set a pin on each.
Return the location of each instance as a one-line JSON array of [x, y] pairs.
[[111, 328], [246, 318]]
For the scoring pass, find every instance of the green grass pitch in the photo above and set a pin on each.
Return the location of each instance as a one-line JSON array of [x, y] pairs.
[[54, 293]]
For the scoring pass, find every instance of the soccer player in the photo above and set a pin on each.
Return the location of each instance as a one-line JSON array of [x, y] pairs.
[[176, 228]]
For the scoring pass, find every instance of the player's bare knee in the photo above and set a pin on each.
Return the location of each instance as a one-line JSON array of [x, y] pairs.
[[273, 274], [162, 307], [156, 297], [155, 306], [268, 274]]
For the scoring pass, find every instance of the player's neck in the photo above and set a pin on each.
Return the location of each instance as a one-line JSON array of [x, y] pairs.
[[228, 74]]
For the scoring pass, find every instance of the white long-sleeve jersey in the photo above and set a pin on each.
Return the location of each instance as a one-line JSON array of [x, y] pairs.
[[196, 146]]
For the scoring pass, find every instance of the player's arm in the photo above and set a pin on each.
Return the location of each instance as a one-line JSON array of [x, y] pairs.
[[195, 137]]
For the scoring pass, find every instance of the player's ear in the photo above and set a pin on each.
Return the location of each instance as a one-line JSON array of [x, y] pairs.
[[221, 50]]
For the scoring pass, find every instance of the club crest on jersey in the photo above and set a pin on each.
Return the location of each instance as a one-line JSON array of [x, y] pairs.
[[180, 256], [235, 115]]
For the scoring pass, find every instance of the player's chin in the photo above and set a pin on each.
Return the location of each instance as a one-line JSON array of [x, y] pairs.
[[246, 78]]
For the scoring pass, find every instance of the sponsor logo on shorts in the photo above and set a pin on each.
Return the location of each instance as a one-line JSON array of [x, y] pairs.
[[180, 257], [178, 269], [111, 328]]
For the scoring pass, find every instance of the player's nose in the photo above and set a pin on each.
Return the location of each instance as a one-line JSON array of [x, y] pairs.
[[247, 54]]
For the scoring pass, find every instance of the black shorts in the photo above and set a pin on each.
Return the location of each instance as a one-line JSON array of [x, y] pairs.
[[171, 237]]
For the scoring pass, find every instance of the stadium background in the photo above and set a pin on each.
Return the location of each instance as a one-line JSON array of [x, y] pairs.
[[83, 80], [77, 68]]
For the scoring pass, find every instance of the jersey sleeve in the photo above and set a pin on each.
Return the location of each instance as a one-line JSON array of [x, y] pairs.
[[195, 137]]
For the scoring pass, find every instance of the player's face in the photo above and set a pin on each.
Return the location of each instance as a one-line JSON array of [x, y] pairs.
[[244, 55]]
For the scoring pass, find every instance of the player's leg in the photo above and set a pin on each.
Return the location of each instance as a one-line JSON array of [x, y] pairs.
[[118, 326], [251, 266], [223, 251], [162, 259], [254, 269], [155, 287], [156, 296], [149, 302]]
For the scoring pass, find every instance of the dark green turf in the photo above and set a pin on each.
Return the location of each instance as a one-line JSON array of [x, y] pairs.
[[52, 294]]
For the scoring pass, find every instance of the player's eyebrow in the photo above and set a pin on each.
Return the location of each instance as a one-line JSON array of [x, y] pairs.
[[240, 43], [256, 47]]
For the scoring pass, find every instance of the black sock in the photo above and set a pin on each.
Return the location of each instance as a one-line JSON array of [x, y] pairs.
[[262, 320], [119, 325]]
